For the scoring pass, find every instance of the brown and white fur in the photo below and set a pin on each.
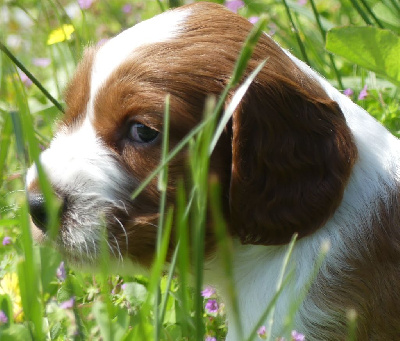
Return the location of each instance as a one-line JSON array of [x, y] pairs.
[[296, 157]]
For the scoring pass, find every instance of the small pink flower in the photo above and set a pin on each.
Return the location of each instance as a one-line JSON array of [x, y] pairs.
[[262, 332], [25, 79], [7, 241], [301, 2], [61, 273], [210, 338], [68, 304], [85, 4], [101, 42], [208, 292], [234, 5], [272, 28], [254, 19], [348, 92], [127, 8], [296, 336], [212, 306], [3, 317], [41, 62], [363, 93]]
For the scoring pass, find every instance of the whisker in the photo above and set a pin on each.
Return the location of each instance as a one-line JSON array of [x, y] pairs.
[[123, 229]]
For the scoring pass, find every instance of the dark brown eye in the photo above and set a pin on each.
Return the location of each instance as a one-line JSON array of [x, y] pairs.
[[140, 133]]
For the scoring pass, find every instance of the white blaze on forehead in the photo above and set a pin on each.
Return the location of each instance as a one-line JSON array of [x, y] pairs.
[[78, 161], [160, 28]]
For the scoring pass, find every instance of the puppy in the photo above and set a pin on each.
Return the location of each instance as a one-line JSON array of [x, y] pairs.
[[296, 157]]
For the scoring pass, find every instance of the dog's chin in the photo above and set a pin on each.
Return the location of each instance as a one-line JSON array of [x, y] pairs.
[[90, 260]]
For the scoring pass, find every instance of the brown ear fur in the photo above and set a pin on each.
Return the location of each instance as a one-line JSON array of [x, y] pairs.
[[292, 156]]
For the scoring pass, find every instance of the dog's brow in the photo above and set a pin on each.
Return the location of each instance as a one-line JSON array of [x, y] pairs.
[[112, 54]]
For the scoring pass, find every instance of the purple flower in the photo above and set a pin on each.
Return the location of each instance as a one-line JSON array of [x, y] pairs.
[[234, 5], [262, 332], [208, 292], [272, 28], [3, 317], [25, 79], [101, 42], [348, 92], [253, 20], [296, 336], [210, 338], [85, 4], [363, 93], [301, 2], [41, 62], [212, 306], [7, 241], [61, 273], [127, 8], [68, 304]]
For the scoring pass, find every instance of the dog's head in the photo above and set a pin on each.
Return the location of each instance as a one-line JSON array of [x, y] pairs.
[[282, 161]]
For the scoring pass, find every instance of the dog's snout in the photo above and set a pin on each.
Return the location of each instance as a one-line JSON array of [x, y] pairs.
[[38, 210]]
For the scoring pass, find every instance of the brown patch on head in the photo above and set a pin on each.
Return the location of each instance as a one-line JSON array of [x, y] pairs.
[[77, 92], [365, 279], [284, 159]]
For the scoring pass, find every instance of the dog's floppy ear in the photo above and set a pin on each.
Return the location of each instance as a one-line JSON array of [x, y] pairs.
[[292, 154]]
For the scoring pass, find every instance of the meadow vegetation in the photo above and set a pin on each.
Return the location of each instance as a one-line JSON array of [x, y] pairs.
[[355, 44]]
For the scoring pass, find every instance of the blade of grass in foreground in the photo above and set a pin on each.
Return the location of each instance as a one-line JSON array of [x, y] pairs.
[[162, 187], [29, 281], [224, 246], [199, 162], [28, 268], [26, 134], [239, 69], [183, 310], [4, 144], [8, 53], [280, 285]]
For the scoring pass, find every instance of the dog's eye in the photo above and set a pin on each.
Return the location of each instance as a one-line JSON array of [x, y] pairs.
[[142, 134]]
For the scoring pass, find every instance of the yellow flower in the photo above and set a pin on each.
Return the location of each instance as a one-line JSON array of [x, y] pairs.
[[9, 286], [60, 34]]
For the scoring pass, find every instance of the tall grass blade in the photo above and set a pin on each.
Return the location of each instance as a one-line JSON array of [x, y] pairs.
[[199, 162], [296, 33], [323, 35], [29, 280], [8, 53], [183, 310], [234, 103], [5, 134], [162, 187], [361, 12], [279, 284], [25, 133], [239, 69], [225, 249], [372, 14]]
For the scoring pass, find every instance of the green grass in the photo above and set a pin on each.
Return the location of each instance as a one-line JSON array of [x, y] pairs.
[[163, 305]]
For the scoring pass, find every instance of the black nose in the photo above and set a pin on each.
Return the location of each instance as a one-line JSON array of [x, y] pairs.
[[38, 210]]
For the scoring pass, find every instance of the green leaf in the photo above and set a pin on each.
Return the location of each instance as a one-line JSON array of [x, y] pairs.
[[114, 329], [387, 14], [16, 332], [50, 261], [135, 293], [375, 49], [6, 307]]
